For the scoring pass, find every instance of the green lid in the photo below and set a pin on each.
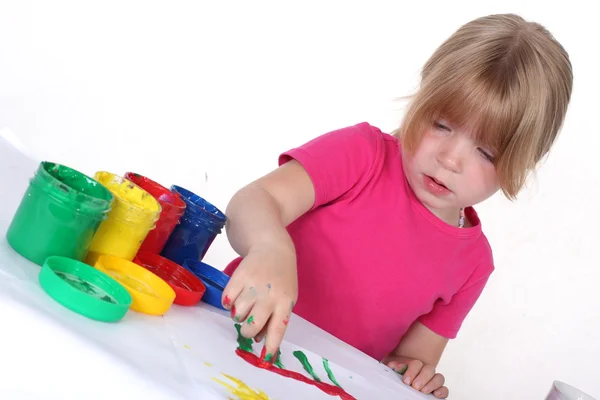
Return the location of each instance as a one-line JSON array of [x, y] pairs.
[[84, 289]]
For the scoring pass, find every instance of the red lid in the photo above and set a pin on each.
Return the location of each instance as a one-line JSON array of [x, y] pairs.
[[188, 288]]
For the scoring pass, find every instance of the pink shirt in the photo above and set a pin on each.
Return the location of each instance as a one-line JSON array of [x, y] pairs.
[[371, 258]]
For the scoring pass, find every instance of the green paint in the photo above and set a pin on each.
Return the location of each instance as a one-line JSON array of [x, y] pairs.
[[402, 370], [330, 372], [306, 364], [86, 287], [243, 342], [277, 362], [251, 319], [58, 215], [268, 357]]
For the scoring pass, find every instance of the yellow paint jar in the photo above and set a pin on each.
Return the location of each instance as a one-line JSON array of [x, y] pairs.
[[133, 215], [149, 293]]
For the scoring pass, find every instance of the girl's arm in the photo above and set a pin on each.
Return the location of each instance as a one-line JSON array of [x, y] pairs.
[[265, 284], [416, 357]]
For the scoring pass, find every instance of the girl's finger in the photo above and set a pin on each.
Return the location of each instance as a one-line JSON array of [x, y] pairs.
[[441, 393], [257, 318], [414, 367], [435, 383], [240, 309], [232, 290], [425, 375], [276, 329]]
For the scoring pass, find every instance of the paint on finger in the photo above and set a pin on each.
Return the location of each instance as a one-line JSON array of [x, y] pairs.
[[251, 320], [243, 342], [226, 301], [277, 361]]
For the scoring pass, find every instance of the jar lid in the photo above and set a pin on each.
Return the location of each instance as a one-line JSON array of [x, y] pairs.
[[188, 288], [83, 289], [214, 280], [150, 294]]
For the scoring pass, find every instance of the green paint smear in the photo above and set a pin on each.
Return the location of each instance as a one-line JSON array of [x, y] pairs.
[[329, 372], [278, 362], [305, 364], [251, 319], [243, 342]]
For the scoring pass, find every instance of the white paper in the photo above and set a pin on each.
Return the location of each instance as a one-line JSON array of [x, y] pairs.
[[51, 352]]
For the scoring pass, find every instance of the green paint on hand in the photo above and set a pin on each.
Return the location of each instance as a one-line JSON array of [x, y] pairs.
[[268, 357], [306, 364], [330, 372], [402, 370], [278, 362], [243, 342], [251, 319]]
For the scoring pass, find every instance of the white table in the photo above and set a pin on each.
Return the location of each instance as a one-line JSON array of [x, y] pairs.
[[49, 352]]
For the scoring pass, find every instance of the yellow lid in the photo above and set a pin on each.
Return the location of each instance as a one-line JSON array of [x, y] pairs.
[[150, 294]]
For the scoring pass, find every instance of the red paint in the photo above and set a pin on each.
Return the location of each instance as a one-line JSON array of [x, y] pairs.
[[435, 187], [325, 387], [226, 301], [173, 208], [233, 312], [286, 321], [188, 288]]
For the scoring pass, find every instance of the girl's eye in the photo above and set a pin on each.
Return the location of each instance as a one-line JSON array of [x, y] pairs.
[[486, 154], [440, 125]]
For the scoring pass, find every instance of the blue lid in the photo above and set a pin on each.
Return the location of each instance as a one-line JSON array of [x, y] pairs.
[[214, 280]]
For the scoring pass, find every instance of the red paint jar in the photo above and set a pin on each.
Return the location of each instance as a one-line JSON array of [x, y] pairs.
[[188, 288], [173, 208]]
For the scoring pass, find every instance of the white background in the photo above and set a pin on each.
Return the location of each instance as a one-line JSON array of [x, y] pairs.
[[206, 96]]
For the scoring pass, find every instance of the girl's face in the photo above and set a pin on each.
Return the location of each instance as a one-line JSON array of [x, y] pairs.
[[449, 171]]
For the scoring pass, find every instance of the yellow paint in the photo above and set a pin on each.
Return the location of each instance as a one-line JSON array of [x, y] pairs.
[[149, 293], [207, 364], [186, 346], [243, 391], [133, 215]]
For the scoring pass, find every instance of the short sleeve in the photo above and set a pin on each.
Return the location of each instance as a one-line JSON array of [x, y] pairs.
[[339, 160], [446, 318]]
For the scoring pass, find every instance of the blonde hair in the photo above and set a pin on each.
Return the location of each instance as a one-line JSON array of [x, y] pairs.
[[508, 78]]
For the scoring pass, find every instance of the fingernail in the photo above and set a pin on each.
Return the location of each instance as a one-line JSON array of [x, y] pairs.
[[401, 369], [438, 392], [407, 381], [226, 301], [417, 385], [233, 313]]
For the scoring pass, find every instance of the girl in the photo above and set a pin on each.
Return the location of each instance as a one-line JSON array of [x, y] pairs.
[[373, 237]]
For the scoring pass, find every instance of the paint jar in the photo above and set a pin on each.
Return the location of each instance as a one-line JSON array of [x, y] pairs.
[[172, 206], [133, 216], [59, 214], [200, 224]]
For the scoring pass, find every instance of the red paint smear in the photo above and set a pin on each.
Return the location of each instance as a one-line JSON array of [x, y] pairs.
[[226, 301], [286, 321], [325, 387]]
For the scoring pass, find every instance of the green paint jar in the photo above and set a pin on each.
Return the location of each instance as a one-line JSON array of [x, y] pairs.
[[59, 214]]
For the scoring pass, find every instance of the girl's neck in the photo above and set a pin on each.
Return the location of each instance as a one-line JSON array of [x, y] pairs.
[[452, 217]]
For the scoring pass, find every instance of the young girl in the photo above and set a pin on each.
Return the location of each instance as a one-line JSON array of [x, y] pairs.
[[373, 237]]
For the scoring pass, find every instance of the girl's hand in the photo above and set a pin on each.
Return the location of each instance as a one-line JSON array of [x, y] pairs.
[[419, 376], [261, 294]]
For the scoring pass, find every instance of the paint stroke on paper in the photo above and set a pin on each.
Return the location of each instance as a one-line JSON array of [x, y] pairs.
[[245, 351], [242, 390]]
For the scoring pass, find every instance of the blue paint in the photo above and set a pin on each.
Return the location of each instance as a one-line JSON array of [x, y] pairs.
[[214, 280], [197, 228]]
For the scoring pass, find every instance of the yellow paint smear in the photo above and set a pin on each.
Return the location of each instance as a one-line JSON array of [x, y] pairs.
[[186, 346], [242, 391], [207, 364]]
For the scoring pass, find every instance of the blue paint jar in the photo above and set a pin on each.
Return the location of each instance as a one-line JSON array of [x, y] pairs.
[[197, 229]]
